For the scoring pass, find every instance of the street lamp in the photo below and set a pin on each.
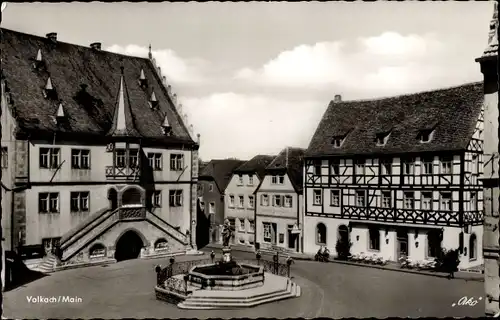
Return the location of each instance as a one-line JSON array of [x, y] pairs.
[[258, 255]]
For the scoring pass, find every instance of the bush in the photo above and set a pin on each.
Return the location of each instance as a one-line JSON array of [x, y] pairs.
[[448, 260], [343, 249]]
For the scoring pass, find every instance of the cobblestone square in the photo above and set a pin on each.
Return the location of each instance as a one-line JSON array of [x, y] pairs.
[[333, 290]]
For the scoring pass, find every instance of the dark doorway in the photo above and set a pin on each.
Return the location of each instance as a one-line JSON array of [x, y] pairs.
[[292, 238], [402, 243], [344, 233], [128, 246], [113, 199]]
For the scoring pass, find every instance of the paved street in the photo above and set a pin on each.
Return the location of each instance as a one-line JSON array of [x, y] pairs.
[[333, 290]]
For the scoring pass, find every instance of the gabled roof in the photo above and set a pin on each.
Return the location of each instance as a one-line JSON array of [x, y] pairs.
[[220, 171], [291, 161], [453, 111], [87, 81], [255, 165]]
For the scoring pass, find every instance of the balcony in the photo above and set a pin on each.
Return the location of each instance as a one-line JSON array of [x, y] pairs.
[[123, 173]]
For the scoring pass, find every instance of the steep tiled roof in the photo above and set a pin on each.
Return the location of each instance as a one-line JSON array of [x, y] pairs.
[[87, 81], [290, 160], [256, 165], [453, 111], [220, 171]]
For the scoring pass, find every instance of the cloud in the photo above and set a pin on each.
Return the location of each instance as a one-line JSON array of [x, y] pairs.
[[175, 68], [239, 125], [390, 63]]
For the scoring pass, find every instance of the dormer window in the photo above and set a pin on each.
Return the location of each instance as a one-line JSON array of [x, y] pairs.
[[337, 141], [167, 129], [49, 91], [382, 138], [38, 60], [60, 112], [426, 135], [143, 82], [153, 101]]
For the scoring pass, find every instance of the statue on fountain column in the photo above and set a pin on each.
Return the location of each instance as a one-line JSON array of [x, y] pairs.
[[227, 233]]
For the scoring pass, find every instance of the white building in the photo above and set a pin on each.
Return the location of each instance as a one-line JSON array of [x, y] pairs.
[[399, 176], [279, 208]]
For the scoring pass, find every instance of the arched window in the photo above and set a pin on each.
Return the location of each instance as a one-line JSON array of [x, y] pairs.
[[113, 198], [321, 234], [161, 244], [97, 251], [132, 196], [473, 246]]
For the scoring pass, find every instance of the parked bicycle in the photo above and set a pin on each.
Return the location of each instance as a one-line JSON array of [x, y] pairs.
[[323, 255]]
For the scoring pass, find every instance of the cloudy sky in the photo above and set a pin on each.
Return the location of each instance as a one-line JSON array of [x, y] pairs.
[[256, 77]]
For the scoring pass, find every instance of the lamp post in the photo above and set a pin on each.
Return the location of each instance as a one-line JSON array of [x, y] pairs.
[[186, 278], [289, 262], [158, 275], [258, 255]]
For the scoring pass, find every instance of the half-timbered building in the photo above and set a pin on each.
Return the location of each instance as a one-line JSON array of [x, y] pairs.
[[489, 67], [98, 162], [239, 198], [398, 176], [279, 207]]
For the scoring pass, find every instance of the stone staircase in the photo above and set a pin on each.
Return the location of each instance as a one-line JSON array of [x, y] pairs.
[[206, 299], [48, 264]]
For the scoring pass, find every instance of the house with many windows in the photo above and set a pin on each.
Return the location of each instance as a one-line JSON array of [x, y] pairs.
[[399, 176], [98, 161], [279, 207], [239, 198], [212, 183]]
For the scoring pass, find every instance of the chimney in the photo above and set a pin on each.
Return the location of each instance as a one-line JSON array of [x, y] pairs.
[[337, 98], [52, 36], [96, 45]]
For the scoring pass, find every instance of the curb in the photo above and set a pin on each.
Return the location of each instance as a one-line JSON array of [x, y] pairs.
[[113, 261], [430, 274]]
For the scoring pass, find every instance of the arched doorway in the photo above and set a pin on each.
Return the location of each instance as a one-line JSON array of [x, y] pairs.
[[113, 198], [128, 246], [343, 233]]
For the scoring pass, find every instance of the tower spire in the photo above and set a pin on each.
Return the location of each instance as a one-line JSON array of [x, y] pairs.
[[122, 122], [492, 48], [150, 55]]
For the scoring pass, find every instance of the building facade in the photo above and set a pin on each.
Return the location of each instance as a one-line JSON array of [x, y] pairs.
[[279, 210], [212, 183], [239, 198], [489, 68], [98, 162], [399, 176]]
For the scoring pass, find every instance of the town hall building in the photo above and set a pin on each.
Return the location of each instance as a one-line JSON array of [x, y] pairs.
[[399, 176], [98, 161]]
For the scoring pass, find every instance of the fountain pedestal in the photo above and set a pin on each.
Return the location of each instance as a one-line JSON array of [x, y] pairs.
[[226, 254]]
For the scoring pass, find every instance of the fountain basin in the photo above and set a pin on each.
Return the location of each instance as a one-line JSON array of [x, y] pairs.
[[226, 276]]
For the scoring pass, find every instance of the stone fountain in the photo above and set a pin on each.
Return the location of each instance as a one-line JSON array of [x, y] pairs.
[[228, 284]]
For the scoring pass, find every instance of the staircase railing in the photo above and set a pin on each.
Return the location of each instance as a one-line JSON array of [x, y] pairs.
[[76, 239], [80, 242], [176, 234], [81, 229]]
